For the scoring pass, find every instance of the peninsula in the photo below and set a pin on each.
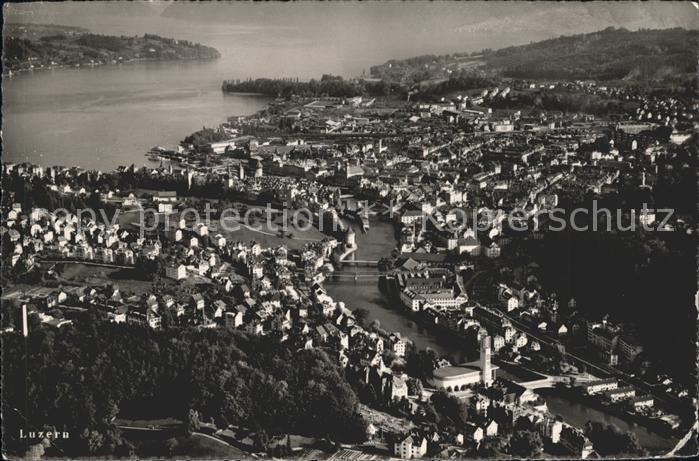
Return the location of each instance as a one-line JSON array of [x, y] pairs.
[[40, 46]]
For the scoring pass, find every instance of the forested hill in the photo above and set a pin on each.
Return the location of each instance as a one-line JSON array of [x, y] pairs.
[[328, 85], [36, 46], [609, 54]]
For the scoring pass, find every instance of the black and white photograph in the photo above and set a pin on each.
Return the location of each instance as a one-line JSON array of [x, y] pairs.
[[349, 230]]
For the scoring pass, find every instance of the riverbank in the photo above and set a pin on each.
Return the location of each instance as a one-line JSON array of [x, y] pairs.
[[467, 349], [576, 409], [370, 293]]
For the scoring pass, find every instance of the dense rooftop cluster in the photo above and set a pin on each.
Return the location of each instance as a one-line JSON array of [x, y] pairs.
[[456, 177]]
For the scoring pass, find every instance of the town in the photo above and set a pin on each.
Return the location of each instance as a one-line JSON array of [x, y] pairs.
[[380, 275]]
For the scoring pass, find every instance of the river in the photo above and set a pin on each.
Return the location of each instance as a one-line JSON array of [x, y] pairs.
[[577, 415], [377, 243]]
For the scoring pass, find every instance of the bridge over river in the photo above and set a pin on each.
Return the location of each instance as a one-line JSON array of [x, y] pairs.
[[360, 263], [356, 283]]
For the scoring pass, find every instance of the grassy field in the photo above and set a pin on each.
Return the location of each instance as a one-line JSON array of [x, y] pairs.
[[255, 228], [195, 446], [269, 235], [384, 421], [164, 437], [127, 279], [147, 423]]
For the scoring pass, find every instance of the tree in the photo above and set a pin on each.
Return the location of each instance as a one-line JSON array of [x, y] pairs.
[[124, 450], [414, 386], [218, 375], [35, 451], [171, 445], [525, 444], [388, 356], [421, 364], [260, 440], [430, 414], [524, 424], [489, 448], [385, 264], [450, 408], [608, 440], [360, 315], [192, 421]]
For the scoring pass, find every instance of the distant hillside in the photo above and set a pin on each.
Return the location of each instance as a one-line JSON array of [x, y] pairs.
[[610, 54], [31, 31], [34, 46]]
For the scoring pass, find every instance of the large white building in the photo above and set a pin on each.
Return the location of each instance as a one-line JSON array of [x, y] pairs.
[[602, 385], [459, 378], [439, 298], [410, 447]]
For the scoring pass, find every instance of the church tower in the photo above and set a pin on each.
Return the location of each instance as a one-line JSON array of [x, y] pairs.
[[487, 372]]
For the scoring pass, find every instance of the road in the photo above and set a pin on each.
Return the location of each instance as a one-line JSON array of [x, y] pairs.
[[683, 441], [85, 262], [162, 428], [143, 428]]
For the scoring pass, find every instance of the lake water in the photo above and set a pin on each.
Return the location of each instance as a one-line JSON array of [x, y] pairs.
[[109, 116], [364, 293]]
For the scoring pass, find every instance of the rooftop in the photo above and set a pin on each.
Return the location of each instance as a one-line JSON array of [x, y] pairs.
[[458, 371]]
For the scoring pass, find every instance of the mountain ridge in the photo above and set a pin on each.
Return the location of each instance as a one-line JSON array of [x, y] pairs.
[[608, 54]]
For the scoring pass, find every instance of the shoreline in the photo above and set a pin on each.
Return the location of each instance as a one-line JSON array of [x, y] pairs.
[[652, 425], [105, 64], [449, 343]]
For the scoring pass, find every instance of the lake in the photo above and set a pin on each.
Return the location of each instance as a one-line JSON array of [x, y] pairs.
[[109, 116]]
